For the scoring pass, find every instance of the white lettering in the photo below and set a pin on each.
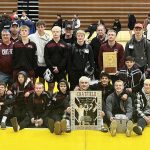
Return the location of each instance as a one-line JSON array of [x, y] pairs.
[[7, 51]]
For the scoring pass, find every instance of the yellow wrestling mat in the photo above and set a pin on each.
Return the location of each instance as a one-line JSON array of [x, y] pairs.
[[42, 139]]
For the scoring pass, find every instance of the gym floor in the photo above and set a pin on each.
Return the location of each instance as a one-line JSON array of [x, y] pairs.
[[40, 139]]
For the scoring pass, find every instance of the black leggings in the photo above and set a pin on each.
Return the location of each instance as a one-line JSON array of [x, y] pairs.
[[141, 122]]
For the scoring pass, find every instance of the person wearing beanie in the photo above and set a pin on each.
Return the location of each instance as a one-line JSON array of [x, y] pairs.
[[59, 107]]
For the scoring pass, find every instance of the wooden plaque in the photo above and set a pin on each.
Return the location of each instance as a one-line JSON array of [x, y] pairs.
[[85, 110], [110, 62]]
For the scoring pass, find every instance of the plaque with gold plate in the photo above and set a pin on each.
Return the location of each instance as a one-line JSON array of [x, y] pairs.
[[110, 62]]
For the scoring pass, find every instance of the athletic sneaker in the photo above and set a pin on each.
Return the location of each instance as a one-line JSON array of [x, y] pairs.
[[104, 129], [57, 128], [129, 128], [14, 123], [50, 124], [137, 130], [63, 124], [3, 125], [113, 128]]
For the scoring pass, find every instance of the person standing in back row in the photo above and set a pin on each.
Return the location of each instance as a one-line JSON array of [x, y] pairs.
[[112, 46], [24, 54], [80, 54], [6, 53], [139, 48], [96, 43], [40, 38], [55, 54]]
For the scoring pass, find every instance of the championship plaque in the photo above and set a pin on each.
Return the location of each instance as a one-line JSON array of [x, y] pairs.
[[110, 62], [85, 110]]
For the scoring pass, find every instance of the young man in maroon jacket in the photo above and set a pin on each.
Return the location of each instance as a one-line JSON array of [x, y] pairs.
[[112, 46], [6, 50], [56, 55], [24, 54]]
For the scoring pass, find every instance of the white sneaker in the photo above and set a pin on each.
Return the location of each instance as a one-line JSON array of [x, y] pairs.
[[129, 128], [113, 128], [63, 125]]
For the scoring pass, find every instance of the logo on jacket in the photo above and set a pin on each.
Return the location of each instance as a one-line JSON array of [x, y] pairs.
[[30, 46], [62, 45], [7, 52]]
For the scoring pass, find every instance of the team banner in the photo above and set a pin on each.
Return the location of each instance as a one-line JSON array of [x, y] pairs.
[[110, 62], [85, 110]]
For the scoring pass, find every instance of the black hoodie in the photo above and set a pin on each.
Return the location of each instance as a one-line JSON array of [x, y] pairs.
[[38, 105], [60, 101]]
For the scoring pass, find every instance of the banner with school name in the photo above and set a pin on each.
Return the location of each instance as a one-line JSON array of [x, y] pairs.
[[85, 110]]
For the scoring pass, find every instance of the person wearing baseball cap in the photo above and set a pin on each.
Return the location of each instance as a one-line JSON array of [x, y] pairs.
[[68, 26], [138, 25], [15, 24], [68, 35], [14, 29], [139, 48]]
